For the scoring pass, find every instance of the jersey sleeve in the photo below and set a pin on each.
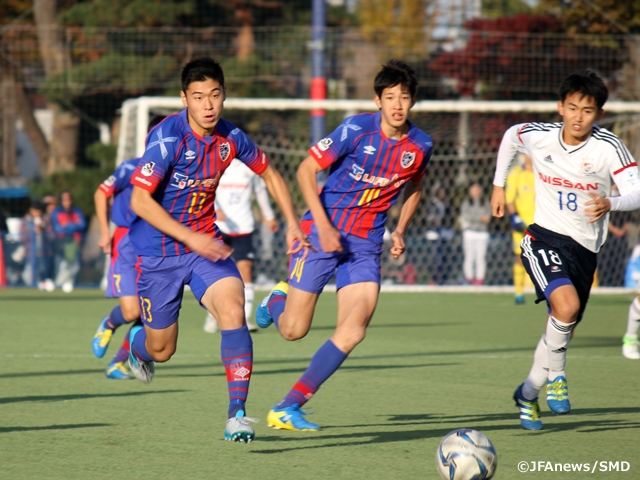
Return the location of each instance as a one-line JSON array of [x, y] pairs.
[[624, 171], [337, 145], [426, 156], [160, 151], [512, 142], [248, 153]]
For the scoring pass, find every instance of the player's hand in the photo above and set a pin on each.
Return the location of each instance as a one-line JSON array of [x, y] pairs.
[[208, 246], [104, 242], [516, 223], [598, 207], [296, 240], [330, 239], [497, 202], [398, 246], [272, 225]]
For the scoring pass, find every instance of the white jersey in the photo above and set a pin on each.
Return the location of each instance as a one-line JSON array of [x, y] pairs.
[[233, 198], [566, 174]]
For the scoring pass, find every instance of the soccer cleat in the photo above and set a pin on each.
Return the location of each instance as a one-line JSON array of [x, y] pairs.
[[519, 299], [102, 338], [238, 429], [529, 411], [263, 317], [143, 371], [558, 395], [290, 418], [252, 327], [117, 371], [630, 347]]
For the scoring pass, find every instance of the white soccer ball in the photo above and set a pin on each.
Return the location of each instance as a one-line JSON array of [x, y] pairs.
[[466, 454]]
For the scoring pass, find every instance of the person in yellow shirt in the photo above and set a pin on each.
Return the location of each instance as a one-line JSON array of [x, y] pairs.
[[520, 199]]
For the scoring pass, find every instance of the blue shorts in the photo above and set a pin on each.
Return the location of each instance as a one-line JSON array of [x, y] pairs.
[[161, 284], [358, 262], [121, 278], [553, 260]]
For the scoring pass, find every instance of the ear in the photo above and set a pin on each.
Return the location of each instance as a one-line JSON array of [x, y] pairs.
[[560, 108], [184, 98], [378, 102], [224, 93]]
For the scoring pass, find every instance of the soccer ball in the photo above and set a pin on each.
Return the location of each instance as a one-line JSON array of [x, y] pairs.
[[466, 454]]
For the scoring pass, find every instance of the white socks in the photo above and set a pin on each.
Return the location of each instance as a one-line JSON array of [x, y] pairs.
[[633, 321], [248, 300], [557, 335], [539, 372]]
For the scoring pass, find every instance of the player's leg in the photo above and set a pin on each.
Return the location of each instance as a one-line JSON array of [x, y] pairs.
[[468, 260], [117, 369], [630, 339], [121, 284], [245, 267], [519, 273], [481, 246], [219, 288]]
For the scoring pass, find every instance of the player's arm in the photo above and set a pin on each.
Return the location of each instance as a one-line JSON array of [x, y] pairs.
[[146, 207], [262, 197], [101, 203], [627, 179], [307, 176], [296, 240], [506, 154], [412, 197]]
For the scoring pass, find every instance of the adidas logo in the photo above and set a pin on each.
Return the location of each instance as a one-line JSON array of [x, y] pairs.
[[548, 159]]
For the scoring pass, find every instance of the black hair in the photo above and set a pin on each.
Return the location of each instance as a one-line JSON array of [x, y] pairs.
[[587, 84], [396, 72], [201, 69]]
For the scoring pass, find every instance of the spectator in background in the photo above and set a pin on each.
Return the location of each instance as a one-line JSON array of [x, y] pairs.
[[69, 224], [50, 203], [33, 240], [475, 215], [439, 233]]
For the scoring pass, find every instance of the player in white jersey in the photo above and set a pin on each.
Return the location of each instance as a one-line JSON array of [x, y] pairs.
[[575, 163], [235, 191]]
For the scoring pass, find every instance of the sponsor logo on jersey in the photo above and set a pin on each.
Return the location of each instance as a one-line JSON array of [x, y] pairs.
[[147, 169], [190, 155], [563, 182], [357, 173], [161, 141], [407, 159], [143, 181], [324, 144], [548, 159], [225, 150], [180, 180], [369, 149], [587, 168]]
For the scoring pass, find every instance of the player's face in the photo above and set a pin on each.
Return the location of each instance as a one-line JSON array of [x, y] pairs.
[[579, 113], [394, 104], [204, 102]]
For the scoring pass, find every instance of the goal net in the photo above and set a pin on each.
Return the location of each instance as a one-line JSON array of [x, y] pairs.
[[466, 137]]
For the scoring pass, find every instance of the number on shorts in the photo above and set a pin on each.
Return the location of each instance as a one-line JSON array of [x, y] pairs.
[[116, 278], [145, 309], [297, 269], [550, 255]]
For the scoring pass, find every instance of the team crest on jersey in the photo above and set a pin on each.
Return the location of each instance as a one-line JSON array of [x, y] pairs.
[[407, 159], [110, 181], [190, 155], [147, 170], [225, 150], [324, 144], [587, 168]]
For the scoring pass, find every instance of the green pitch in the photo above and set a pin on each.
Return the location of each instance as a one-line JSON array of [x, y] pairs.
[[431, 363]]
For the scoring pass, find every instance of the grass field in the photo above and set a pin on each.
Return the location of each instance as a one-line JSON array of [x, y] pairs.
[[431, 363]]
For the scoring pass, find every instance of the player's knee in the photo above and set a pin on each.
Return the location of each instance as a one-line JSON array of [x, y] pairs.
[[292, 333], [350, 338], [130, 312], [566, 312], [161, 353]]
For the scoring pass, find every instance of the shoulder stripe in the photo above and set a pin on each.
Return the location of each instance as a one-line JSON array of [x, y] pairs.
[[623, 154]]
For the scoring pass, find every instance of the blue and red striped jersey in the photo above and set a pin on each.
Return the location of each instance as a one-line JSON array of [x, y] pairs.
[[119, 186], [182, 170], [368, 171]]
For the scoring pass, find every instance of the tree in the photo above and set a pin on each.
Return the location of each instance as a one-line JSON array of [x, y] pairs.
[[523, 57]]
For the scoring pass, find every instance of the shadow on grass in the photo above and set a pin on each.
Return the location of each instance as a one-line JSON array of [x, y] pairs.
[[293, 441], [63, 398], [52, 427]]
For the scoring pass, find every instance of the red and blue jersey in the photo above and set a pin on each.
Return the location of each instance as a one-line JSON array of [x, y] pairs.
[[119, 186], [368, 171], [181, 169]]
